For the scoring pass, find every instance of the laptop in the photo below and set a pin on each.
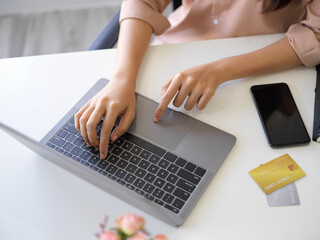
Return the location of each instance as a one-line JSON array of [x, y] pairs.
[[161, 168]]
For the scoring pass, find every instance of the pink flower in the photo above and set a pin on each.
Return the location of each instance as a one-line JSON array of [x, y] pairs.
[[130, 224], [109, 236], [160, 237], [139, 236]]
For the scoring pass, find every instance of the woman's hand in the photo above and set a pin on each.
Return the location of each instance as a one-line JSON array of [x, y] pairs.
[[116, 99], [198, 84]]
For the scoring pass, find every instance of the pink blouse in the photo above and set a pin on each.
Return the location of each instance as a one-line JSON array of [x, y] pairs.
[[211, 19]]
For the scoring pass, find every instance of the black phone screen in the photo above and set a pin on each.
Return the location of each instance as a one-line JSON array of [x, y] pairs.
[[279, 114]]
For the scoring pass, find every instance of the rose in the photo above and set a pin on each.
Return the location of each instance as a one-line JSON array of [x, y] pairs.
[[109, 236], [160, 237], [130, 224], [139, 236]]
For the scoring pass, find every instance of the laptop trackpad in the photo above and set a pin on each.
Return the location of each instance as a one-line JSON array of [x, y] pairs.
[[168, 132]]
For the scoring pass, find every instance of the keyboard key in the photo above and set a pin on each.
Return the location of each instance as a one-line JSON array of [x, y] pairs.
[[111, 169], [51, 145], [85, 163], [131, 168], [85, 147], [144, 144], [139, 183], [170, 157], [181, 162], [150, 178], [121, 181], [158, 193], [70, 137], [186, 185], [153, 169], [168, 198], [70, 127], [110, 146], [126, 155], [57, 141], [68, 147], [148, 188], [67, 154], [159, 182], [181, 194], [159, 202], [127, 146], [94, 151], [140, 173], [154, 159], [173, 168], [76, 151], [62, 133], [178, 203], [119, 142], [134, 160], [145, 154], [94, 168], [139, 192], [163, 174], [113, 159], [79, 142], [148, 196], [85, 155], [144, 164], [169, 187], [76, 159], [190, 167], [122, 164], [130, 178], [200, 171], [103, 164], [94, 160], [188, 176], [117, 151], [163, 163], [129, 186], [120, 173], [113, 178], [102, 172], [167, 206], [136, 150], [172, 178]]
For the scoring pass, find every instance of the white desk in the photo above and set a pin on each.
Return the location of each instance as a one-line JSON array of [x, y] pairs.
[[39, 200]]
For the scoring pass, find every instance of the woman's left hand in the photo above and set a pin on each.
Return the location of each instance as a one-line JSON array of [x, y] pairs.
[[198, 84]]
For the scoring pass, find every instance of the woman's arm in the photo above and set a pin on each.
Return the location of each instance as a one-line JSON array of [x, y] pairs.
[[118, 97], [200, 82]]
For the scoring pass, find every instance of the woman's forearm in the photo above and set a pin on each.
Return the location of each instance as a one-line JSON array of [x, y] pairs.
[[133, 42], [272, 58]]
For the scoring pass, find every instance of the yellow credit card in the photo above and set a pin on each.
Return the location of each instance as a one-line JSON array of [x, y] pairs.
[[277, 173]]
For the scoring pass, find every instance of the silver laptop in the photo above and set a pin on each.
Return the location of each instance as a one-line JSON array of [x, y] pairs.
[[161, 168]]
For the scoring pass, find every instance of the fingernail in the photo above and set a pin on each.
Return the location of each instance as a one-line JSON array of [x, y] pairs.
[[155, 119], [102, 155]]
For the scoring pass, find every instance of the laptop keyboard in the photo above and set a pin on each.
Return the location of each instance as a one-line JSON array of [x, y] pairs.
[[136, 164]]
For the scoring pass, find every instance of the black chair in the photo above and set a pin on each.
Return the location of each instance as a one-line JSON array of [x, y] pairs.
[[109, 35]]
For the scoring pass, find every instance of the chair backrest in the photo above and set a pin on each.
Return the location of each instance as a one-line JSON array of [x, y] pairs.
[[109, 35]]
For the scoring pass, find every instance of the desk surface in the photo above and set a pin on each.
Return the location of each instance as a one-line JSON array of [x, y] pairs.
[[39, 200]]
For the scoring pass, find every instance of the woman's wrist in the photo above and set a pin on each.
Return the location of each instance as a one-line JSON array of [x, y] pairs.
[[125, 77]]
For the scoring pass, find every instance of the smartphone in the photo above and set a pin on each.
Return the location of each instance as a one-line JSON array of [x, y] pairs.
[[279, 115]]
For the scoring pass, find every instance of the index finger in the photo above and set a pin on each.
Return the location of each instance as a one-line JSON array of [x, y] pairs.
[[166, 98], [105, 133]]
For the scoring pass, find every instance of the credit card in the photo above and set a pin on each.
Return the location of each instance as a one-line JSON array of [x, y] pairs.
[[277, 173], [285, 196]]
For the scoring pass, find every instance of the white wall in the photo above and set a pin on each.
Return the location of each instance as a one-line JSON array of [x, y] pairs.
[[27, 6]]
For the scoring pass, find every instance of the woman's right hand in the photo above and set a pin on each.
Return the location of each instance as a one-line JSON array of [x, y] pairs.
[[116, 99]]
